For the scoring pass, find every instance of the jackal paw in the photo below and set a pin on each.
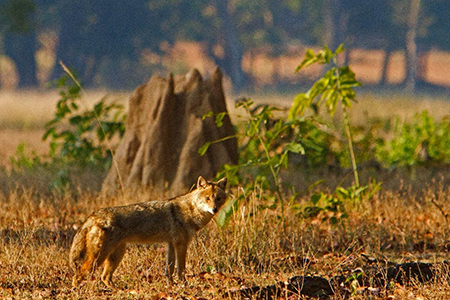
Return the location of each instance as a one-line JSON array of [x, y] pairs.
[[109, 284]]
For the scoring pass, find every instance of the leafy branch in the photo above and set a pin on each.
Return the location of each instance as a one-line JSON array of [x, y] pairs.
[[336, 86], [77, 135]]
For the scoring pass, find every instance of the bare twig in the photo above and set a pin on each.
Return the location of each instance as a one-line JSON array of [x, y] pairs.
[[441, 209]]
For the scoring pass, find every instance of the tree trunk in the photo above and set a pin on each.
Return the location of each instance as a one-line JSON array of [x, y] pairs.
[[164, 131], [411, 46], [331, 21], [233, 47], [21, 48], [422, 64], [71, 48], [385, 66], [347, 53]]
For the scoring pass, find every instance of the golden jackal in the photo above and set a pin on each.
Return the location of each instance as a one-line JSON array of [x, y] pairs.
[[104, 236]]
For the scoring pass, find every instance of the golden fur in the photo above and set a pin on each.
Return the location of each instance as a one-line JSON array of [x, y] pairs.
[[104, 236]]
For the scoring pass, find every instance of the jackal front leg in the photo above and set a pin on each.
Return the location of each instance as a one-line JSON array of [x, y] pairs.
[[181, 250], [170, 262]]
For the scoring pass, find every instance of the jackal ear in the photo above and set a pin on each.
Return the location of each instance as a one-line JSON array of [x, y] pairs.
[[201, 182], [222, 183]]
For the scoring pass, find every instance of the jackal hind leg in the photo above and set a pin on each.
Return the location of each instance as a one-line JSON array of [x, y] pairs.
[[77, 277], [89, 264], [111, 263], [95, 252], [170, 262], [80, 269]]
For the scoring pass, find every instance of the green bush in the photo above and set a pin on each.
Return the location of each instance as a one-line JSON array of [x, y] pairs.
[[423, 142], [82, 142], [269, 136], [83, 137]]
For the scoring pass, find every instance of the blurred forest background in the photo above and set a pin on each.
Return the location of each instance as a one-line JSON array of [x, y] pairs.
[[257, 43]]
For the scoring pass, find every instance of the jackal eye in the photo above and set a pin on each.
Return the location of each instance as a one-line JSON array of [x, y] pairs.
[[207, 198]]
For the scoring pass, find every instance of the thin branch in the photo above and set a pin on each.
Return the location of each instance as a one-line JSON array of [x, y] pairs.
[[441, 209]]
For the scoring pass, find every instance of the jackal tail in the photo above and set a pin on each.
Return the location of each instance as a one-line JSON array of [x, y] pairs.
[[78, 249]]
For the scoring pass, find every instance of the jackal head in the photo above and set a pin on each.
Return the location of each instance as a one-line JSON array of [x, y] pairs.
[[211, 195]]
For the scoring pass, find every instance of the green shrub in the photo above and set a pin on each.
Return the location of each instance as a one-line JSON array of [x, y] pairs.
[[423, 142], [81, 141], [83, 137], [269, 136]]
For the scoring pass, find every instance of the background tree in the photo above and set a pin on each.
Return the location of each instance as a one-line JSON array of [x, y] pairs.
[[232, 45], [411, 45], [434, 34], [19, 38], [413, 18], [105, 42], [104, 34]]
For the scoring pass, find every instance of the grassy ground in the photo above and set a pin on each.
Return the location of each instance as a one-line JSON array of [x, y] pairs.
[[402, 223], [252, 250]]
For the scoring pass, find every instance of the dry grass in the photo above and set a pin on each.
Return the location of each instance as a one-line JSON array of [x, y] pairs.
[[251, 250], [400, 224], [31, 109], [26, 109]]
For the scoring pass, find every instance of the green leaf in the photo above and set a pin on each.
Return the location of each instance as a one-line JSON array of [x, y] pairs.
[[315, 198], [74, 91], [244, 103], [334, 221], [310, 58], [343, 192], [358, 191], [49, 132], [98, 108], [298, 106], [339, 49], [208, 114], [204, 148], [312, 144], [295, 148], [328, 55], [219, 119], [76, 120], [227, 211], [101, 134], [74, 105]]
